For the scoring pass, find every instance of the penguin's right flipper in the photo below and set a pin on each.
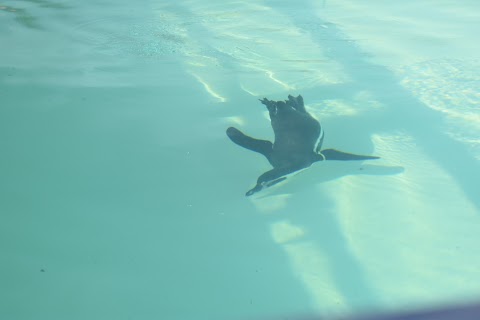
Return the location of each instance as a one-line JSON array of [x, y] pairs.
[[261, 146], [332, 154]]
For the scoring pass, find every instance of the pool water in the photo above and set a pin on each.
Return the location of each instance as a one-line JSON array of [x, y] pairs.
[[121, 197]]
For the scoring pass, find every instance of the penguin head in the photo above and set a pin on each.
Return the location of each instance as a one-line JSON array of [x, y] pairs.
[[264, 182]]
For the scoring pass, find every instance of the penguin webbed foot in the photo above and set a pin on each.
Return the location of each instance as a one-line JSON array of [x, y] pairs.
[[270, 104], [274, 107], [296, 103]]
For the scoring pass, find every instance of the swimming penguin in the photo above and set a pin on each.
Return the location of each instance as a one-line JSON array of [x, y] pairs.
[[298, 142]]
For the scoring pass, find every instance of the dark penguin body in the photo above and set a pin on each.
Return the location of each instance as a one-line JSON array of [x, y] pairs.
[[298, 141]]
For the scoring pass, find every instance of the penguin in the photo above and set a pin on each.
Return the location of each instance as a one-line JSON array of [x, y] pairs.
[[297, 145]]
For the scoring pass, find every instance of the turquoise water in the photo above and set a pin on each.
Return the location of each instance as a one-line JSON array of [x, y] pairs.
[[122, 198]]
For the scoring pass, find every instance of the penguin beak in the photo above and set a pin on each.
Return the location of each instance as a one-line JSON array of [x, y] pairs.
[[255, 189]]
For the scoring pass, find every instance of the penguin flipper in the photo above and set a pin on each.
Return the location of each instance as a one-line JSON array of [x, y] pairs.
[[332, 154], [261, 146]]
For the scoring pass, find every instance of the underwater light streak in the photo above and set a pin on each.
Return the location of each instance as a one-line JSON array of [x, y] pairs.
[[209, 89], [248, 91], [283, 84], [309, 265]]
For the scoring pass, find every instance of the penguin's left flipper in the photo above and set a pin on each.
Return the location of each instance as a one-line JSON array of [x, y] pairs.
[[332, 154], [261, 146]]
